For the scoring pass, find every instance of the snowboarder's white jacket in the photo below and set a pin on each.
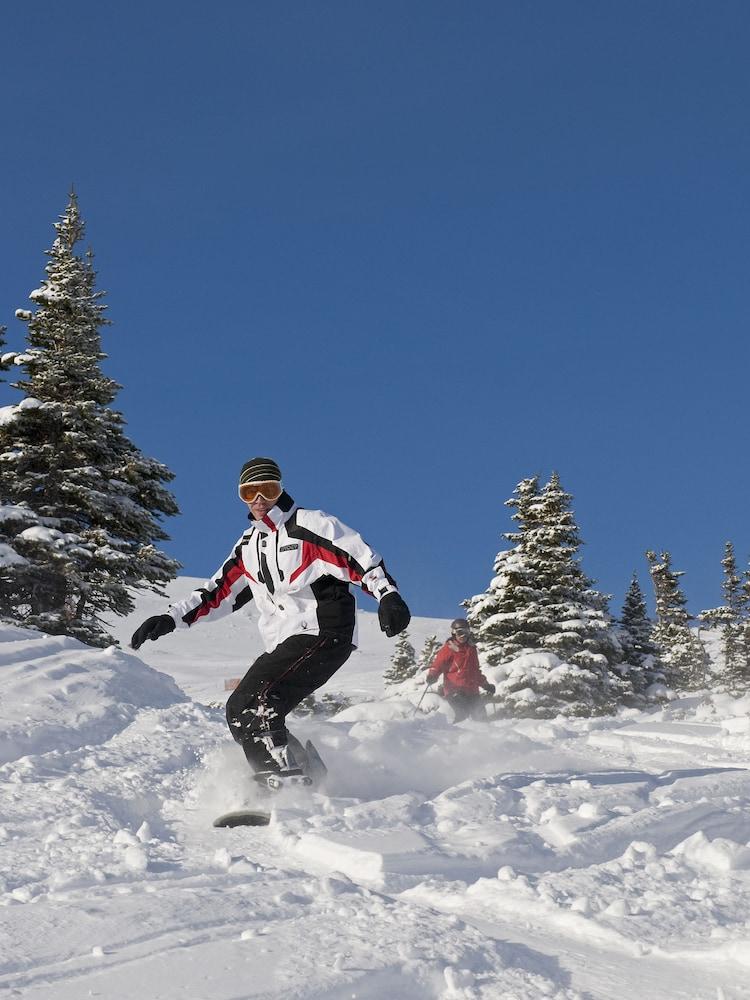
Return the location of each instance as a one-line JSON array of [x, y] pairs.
[[298, 566]]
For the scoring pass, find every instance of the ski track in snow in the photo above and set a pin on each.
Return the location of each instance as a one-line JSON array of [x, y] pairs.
[[591, 859]]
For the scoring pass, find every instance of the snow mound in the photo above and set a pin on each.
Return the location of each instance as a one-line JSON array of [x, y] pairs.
[[56, 693]]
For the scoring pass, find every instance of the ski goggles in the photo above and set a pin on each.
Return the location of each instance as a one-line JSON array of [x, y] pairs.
[[249, 492], [461, 630]]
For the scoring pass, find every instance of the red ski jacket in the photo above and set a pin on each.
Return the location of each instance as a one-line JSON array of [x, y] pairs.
[[460, 664]]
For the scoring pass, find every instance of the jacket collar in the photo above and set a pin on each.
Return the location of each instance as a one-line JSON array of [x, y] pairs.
[[279, 514], [458, 646]]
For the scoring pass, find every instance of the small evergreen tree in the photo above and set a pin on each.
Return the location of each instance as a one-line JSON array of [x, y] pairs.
[[571, 618], [95, 500], [731, 621], [331, 703], [580, 629], [640, 654], [403, 662], [681, 652], [429, 652], [541, 602]]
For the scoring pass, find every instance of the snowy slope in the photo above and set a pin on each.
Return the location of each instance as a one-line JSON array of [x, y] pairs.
[[58, 694], [582, 859]]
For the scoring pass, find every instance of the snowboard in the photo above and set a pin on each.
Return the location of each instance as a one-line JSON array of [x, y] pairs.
[[311, 763], [244, 817]]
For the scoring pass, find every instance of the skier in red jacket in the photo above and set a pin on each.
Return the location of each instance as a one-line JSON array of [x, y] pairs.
[[459, 662]]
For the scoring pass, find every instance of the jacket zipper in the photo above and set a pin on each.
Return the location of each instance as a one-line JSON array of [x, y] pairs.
[[264, 571], [278, 564], [267, 578]]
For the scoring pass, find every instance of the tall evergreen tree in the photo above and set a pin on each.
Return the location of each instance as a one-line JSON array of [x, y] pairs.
[[403, 662], [96, 499], [731, 621], [640, 653], [681, 652]]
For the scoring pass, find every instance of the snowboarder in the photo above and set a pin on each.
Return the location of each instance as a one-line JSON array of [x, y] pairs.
[[297, 565], [458, 661]]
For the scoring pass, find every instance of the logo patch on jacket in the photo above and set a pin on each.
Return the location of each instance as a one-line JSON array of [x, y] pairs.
[[288, 548]]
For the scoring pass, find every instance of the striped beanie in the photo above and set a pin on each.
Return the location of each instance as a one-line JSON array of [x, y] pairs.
[[260, 470]]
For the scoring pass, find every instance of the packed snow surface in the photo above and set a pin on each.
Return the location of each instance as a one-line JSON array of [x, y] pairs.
[[604, 859]]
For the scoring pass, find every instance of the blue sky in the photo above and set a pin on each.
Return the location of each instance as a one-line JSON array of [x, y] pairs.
[[416, 252]]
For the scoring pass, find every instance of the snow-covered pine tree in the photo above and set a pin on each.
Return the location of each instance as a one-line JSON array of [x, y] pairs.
[[429, 651], [731, 621], [681, 652], [96, 500], [9, 558], [14, 518], [403, 662], [576, 625], [640, 654], [505, 619], [541, 603]]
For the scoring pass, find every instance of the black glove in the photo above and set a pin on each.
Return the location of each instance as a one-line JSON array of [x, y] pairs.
[[430, 680], [393, 614], [152, 628], [489, 688]]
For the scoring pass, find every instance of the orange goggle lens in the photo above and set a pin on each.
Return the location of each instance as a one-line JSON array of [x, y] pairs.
[[251, 491]]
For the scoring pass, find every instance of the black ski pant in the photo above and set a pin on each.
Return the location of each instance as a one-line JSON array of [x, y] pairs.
[[273, 686], [467, 705]]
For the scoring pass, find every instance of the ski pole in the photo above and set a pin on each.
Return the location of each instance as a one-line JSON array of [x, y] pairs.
[[491, 700], [420, 701]]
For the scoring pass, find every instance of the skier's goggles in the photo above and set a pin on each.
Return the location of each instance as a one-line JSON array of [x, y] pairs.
[[249, 492]]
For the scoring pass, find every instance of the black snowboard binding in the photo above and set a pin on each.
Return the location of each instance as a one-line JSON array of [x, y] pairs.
[[308, 758], [274, 781], [305, 767]]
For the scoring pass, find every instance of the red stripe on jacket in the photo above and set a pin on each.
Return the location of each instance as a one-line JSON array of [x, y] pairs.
[[232, 576], [311, 553]]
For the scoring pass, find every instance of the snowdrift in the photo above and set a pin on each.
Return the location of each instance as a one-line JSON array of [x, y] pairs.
[[57, 693]]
